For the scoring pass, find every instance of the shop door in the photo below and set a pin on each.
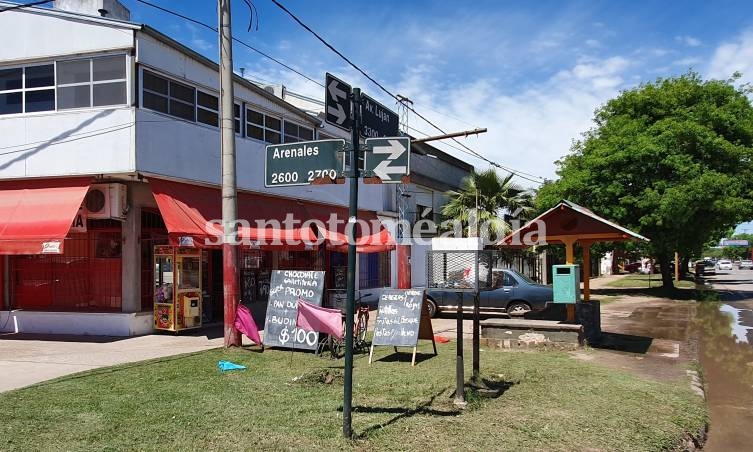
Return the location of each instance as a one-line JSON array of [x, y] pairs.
[[32, 282]]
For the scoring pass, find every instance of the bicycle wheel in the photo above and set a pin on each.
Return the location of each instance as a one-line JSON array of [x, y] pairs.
[[359, 333], [336, 347]]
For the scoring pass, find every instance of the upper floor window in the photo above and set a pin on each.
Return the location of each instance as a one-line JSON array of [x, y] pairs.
[[91, 82], [64, 84], [294, 132], [169, 96], [263, 127], [27, 89], [183, 101]]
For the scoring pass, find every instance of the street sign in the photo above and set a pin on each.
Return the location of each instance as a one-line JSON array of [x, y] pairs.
[[378, 120], [388, 158], [303, 163], [337, 102]]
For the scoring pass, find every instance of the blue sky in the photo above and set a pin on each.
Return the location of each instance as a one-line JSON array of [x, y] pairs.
[[531, 72]]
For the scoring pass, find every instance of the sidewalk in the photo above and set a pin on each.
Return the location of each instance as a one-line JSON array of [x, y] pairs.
[[26, 359]]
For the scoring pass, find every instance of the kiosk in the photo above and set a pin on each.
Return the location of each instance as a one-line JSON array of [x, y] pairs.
[[177, 290]]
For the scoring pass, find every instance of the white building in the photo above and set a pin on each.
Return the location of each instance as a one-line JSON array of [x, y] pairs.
[[89, 102]]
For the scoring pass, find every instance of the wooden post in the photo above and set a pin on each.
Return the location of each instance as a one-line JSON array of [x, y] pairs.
[[586, 270], [570, 259], [677, 266]]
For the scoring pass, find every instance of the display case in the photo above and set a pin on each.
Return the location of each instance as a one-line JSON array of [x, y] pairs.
[[177, 291]]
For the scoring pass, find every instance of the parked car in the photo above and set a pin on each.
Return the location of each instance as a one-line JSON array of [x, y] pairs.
[[513, 294], [746, 263], [724, 264], [633, 267], [709, 267]]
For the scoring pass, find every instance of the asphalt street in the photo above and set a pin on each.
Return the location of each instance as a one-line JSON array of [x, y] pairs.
[[726, 355]]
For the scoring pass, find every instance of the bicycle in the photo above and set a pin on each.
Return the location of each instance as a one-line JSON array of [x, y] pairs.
[[335, 345]]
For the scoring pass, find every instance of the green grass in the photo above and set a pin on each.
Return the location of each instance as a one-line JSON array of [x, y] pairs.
[[550, 401], [642, 282]]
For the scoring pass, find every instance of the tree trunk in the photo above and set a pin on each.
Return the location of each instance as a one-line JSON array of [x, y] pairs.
[[667, 271], [684, 262]]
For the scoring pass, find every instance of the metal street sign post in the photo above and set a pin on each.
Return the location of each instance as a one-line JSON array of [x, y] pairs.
[[303, 163], [378, 120], [388, 158], [337, 102]]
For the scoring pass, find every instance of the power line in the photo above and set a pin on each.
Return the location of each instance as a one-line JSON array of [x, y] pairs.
[[244, 44], [521, 174], [466, 149], [25, 5], [356, 67]]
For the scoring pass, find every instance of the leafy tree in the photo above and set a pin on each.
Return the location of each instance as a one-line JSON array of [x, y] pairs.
[[670, 159], [482, 198]]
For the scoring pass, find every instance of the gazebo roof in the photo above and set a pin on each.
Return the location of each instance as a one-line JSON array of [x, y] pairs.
[[569, 220]]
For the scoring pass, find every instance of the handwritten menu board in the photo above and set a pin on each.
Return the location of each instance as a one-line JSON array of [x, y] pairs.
[[286, 286], [398, 318]]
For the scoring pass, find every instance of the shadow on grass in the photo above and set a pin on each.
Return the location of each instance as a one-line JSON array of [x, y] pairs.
[[489, 389], [402, 413], [400, 356], [624, 342]]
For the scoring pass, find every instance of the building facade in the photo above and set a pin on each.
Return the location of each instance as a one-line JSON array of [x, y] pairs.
[[110, 147]]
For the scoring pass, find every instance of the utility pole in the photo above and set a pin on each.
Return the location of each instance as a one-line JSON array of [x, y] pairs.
[[351, 286], [229, 202], [403, 249]]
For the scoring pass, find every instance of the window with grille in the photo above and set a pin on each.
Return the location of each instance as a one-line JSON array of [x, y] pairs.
[[27, 89], [295, 133], [168, 96], [91, 82], [374, 270], [263, 127]]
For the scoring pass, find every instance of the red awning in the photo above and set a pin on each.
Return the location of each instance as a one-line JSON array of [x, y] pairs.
[[371, 236], [36, 215], [188, 209]]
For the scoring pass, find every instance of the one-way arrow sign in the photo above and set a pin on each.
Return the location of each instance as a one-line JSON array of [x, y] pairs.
[[336, 102], [388, 158]]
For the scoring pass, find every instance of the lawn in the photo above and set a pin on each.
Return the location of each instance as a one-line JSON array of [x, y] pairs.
[[645, 281], [287, 401]]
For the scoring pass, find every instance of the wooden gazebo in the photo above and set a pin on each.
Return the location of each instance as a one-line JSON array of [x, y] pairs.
[[568, 223]]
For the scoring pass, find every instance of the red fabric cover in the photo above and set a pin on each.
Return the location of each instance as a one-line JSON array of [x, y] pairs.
[[244, 322], [316, 318], [38, 212], [186, 209], [368, 241]]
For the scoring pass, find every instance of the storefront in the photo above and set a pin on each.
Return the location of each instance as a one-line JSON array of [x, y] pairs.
[[65, 272]]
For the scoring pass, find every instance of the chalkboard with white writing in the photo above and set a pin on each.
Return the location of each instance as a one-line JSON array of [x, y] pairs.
[[398, 317], [285, 288]]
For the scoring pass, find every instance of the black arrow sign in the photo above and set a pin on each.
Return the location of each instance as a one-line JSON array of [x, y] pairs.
[[337, 102]]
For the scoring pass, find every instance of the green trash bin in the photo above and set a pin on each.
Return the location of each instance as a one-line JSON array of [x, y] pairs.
[[566, 283]]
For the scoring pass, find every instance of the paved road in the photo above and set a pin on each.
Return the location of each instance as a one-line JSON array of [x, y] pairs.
[[727, 360]]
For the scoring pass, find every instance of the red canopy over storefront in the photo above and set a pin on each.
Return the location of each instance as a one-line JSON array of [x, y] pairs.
[[36, 215], [192, 213]]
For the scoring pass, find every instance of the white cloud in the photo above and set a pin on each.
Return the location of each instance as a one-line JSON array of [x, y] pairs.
[[736, 55], [687, 62], [593, 43], [529, 129], [689, 41]]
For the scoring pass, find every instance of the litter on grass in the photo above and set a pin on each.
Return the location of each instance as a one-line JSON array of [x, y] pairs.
[[225, 366]]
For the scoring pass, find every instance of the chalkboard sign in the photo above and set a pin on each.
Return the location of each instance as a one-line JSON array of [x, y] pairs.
[[398, 317], [286, 287], [402, 319]]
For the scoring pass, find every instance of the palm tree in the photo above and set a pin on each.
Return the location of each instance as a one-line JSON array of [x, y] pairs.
[[483, 198]]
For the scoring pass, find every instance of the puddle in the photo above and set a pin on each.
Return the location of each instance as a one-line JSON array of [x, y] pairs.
[[727, 361], [739, 330]]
